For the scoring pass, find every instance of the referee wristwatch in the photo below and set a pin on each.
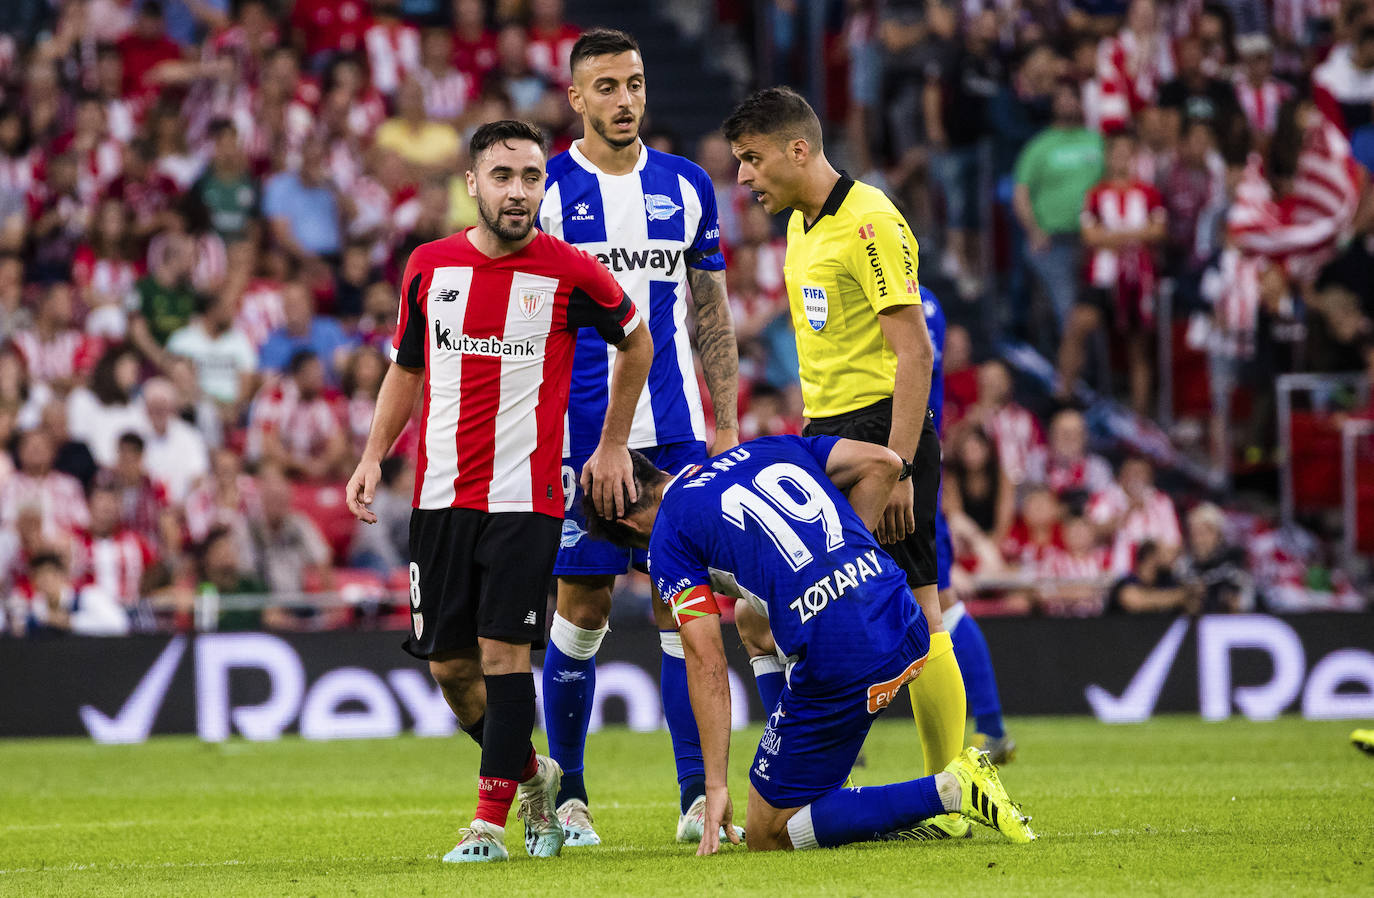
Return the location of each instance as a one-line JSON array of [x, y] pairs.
[[908, 468]]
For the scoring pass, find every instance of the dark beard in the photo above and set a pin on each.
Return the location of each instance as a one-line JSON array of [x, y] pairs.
[[506, 234], [601, 128]]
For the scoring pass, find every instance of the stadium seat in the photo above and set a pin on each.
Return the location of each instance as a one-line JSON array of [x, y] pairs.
[[1316, 462], [323, 503]]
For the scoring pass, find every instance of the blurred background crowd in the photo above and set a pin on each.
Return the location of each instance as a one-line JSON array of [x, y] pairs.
[[1150, 224]]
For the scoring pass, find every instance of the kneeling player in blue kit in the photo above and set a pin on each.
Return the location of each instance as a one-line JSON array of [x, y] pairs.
[[769, 523]]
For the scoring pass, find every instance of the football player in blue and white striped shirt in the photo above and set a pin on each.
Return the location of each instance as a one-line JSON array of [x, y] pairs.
[[650, 217]]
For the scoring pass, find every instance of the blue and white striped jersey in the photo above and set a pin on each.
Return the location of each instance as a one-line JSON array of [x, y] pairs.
[[648, 227]]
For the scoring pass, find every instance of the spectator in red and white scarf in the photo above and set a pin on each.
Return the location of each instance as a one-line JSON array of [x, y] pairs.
[[1123, 219], [1131, 511]]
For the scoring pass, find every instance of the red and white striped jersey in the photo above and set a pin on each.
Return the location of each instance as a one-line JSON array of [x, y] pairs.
[[1116, 207], [58, 497], [104, 280], [1155, 519], [496, 337], [304, 426], [1061, 564], [1089, 473], [447, 95], [550, 52], [260, 311], [1291, 17], [114, 563], [1129, 72], [1016, 433], [393, 54], [1261, 102], [60, 358]]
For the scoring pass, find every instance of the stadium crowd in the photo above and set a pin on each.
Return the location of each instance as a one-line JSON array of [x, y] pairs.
[[205, 208]]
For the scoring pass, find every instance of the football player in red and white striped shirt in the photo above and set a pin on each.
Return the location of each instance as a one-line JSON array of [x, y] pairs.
[[488, 321]]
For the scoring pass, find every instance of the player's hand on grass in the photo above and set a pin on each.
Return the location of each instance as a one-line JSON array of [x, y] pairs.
[[362, 486], [899, 517], [720, 812], [608, 477]]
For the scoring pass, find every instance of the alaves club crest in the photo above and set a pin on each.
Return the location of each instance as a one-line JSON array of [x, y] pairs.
[[660, 207], [532, 300]]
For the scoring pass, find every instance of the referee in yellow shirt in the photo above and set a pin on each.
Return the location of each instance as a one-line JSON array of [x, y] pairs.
[[866, 357]]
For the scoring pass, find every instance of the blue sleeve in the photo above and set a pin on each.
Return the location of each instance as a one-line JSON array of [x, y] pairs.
[[705, 254], [675, 564], [275, 353], [274, 197]]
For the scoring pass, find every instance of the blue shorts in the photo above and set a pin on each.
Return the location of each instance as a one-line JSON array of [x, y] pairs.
[[810, 744], [580, 554], [944, 552]]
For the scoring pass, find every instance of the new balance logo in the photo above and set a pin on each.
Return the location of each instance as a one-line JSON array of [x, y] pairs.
[[531, 619], [446, 295]]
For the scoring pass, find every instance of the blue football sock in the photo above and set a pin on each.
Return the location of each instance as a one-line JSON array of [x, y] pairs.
[[859, 815], [682, 723], [980, 683], [569, 685], [770, 678]]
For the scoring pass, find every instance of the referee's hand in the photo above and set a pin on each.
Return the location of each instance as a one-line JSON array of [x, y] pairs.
[[608, 477], [899, 517], [362, 486]]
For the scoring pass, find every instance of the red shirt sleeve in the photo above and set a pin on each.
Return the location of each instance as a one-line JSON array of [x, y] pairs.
[[597, 300]]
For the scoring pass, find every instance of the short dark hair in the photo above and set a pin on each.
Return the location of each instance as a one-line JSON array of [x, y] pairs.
[[46, 559], [600, 42], [504, 131], [647, 476], [778, 111], [131, 440], [299, 359]]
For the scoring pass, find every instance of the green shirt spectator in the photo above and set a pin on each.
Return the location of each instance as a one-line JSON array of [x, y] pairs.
[[1058, 168], [227, 189]]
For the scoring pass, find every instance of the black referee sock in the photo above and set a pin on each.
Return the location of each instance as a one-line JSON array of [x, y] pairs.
[[475, 730], [508, 725]]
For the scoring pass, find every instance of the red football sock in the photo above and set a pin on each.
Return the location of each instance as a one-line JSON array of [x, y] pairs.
[[494, 797], [531, 767]]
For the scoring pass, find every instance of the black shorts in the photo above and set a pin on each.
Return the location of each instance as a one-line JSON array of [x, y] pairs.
[[916, 553], [477, 574]]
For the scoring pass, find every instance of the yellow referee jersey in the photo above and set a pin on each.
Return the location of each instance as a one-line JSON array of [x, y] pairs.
[[857, 258]]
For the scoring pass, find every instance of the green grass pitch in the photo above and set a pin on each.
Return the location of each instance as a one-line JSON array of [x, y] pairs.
[[1172, 807]]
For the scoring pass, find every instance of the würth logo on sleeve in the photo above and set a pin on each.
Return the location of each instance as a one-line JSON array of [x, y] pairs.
[[532, 299]]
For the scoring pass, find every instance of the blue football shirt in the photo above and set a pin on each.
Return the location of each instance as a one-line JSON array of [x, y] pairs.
[[764, 523]]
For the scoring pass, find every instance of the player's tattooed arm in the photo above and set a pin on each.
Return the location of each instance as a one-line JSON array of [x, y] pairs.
[[719, 352]]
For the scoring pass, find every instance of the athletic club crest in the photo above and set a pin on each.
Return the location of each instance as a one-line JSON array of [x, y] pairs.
[[532, 299]]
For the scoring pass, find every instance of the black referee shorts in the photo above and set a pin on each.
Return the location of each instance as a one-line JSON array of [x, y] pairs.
[[873, 424], [478, 574]]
